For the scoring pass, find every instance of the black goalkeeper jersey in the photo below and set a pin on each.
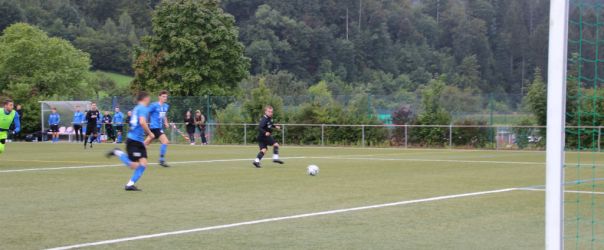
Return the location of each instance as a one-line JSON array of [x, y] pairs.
[[266, 125], [91, 117]]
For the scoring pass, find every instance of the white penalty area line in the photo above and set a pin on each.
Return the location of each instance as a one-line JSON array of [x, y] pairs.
[[276, 219], [121, 165], [427, 160]]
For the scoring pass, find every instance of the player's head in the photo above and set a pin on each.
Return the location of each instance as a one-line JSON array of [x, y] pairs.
[[143, 98], [117, 109], [129, 112], [77, 108], [18, 107], [53, 109], [93, 106], [8, 105], [268, 110], [106, 113], [163, 96]]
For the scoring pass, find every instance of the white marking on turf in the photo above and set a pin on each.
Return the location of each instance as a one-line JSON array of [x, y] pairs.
[[426, 160], [566, 191], [118, 165], [299, 216]]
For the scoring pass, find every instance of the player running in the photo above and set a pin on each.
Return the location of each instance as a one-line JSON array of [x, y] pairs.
[[8, 116], [118, 123], [91, 128], [53, 121], [158, 119], [108, 122], [135, 156], [265, 138]]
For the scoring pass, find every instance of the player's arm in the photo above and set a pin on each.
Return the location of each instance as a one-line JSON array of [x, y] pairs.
[[143, 122], [262, 125], [17, 123], [166, 123]]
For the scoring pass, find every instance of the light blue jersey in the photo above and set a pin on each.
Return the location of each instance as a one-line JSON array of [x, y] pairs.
[[78, 118], [54, 119], [137, 132], [157, 114], [118, 119]]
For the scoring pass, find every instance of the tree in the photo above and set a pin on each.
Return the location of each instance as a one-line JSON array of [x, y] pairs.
[[536, 98], [11, 13], [34, 66], [259, 97], [194, 50]]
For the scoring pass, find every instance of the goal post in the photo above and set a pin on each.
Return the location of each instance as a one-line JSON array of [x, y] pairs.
[[556, 113]]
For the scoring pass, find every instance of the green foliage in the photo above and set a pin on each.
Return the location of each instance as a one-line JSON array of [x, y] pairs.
[[433, 113], [260, 97], [232, 134], [194, 50], [536, 98], [34, 66], [469, 134]]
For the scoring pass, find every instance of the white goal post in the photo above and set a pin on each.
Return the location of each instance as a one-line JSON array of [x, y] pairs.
[[556, 113]]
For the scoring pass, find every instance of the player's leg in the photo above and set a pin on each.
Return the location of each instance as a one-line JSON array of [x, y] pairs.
[[163, 149], [276, 154], [135, 158], [2, 144], [87, 136], [192, 138], [263, 148]]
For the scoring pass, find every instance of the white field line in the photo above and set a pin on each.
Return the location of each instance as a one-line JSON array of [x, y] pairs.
[[118, 165], [566, 191], [427, 160], [275, 219]]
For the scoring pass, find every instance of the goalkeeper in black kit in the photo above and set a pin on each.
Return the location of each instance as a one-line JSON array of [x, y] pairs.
[[265, 138]]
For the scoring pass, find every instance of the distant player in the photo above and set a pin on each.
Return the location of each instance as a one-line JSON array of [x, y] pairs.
[[92, 117], [8, 116], [265, 138], [158, 119], [108, 122], [135, 156], [53, 120], [118, 124], [78, 120]]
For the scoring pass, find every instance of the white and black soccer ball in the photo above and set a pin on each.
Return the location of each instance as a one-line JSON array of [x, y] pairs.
[[312, 170]]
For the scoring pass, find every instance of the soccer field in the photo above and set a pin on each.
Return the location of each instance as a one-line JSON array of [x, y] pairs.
[[212, 198]]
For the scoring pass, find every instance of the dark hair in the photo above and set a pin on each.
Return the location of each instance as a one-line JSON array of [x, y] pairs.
[[163, 92], [7, 101], [141, 95]]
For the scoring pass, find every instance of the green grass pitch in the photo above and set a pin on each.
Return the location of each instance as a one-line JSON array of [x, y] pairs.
[[62, 195]]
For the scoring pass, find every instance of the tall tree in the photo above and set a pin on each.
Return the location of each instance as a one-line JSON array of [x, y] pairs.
[[194, 50]]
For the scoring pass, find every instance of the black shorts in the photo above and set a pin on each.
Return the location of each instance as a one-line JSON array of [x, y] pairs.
[[77, 127], [54, 128], [119, 128], [91, 130], [136, 150], [265, 141], [157, 132]]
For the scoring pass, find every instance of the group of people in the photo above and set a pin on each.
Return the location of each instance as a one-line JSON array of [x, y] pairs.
[[94, 120], [146, 124]]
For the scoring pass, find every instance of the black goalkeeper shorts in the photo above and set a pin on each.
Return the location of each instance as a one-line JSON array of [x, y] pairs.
[[265, 141]]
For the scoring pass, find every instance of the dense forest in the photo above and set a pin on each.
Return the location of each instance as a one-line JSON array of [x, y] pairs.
[[378, 47]]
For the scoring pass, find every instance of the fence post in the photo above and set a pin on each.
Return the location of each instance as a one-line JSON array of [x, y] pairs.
[[363, 135], [599, 137], [283, 135], [245, 134], [406, 136], [450, 136], [322, 134]]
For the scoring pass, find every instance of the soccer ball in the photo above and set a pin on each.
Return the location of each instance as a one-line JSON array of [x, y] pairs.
[[312, 170]]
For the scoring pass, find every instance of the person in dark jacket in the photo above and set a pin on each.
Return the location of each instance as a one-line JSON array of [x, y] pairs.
[[190, 125], [200, 122]]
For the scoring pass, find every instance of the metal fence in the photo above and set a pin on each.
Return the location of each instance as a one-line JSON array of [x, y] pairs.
[[403, 136]]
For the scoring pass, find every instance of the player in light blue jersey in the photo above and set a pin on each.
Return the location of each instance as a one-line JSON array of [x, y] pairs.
[[135, 156], [158, 119], [53, 120], [118, 123]]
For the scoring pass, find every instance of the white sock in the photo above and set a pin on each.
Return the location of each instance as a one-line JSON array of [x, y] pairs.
[[118, 153], [257, 160], [130, 183], [275, 157]]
